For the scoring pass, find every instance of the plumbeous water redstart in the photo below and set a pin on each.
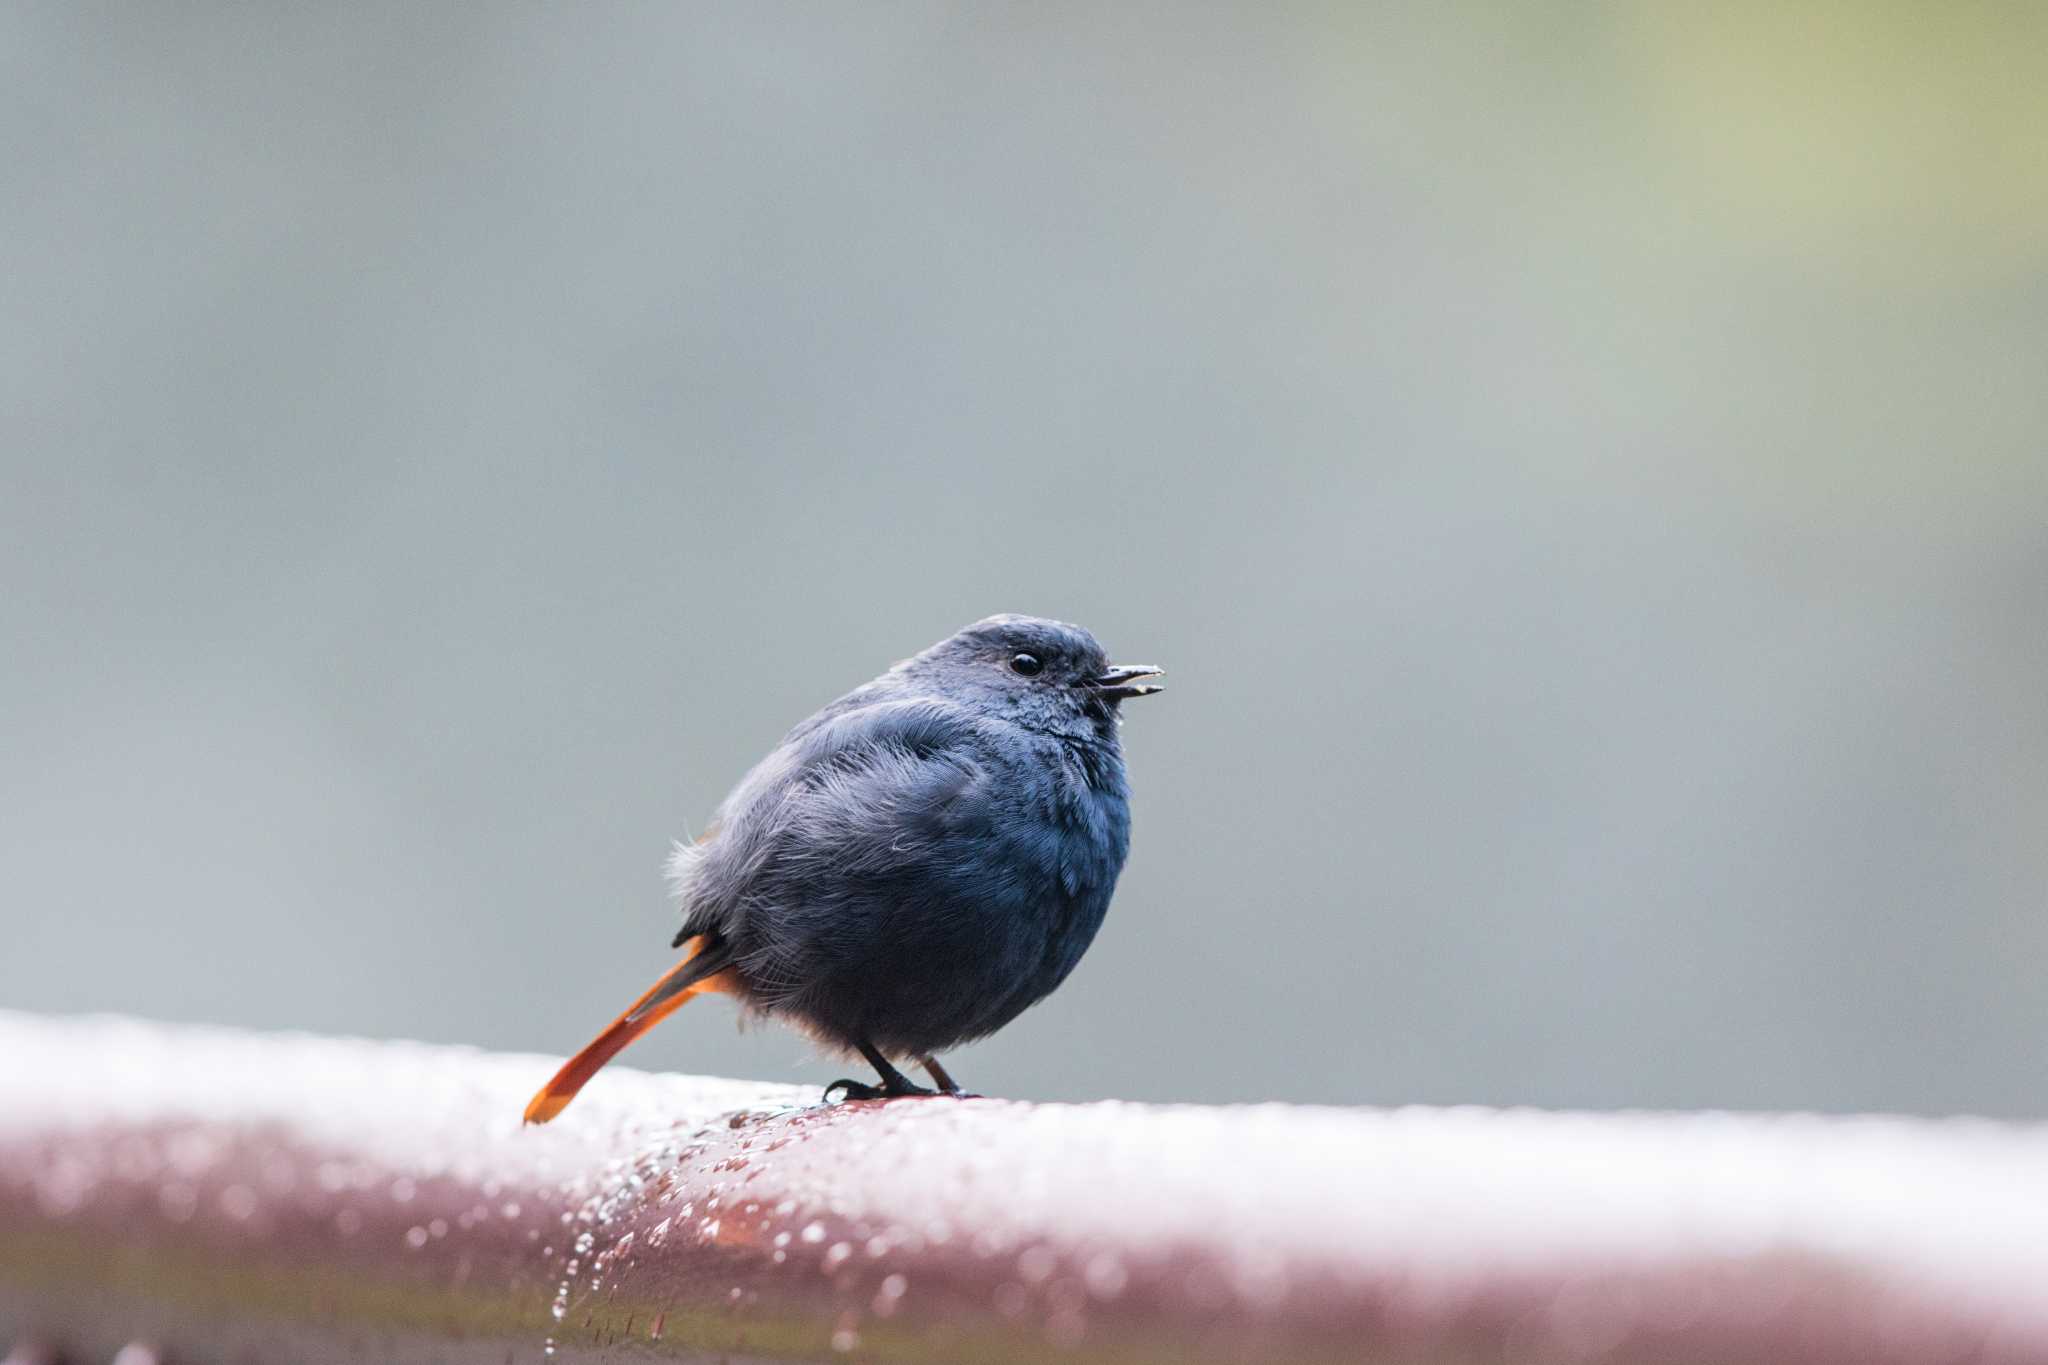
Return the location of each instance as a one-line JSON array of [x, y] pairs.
[[913, 866]]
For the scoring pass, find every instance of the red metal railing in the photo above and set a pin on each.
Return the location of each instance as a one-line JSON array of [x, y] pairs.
[[205, 1196]]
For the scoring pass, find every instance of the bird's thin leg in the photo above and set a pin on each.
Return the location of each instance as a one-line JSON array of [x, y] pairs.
[[939, 1077], [894, 1084]]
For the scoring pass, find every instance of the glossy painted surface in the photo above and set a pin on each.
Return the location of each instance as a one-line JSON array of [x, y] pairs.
[[224, 1197]]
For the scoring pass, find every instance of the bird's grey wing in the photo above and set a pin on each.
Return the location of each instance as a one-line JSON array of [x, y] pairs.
[[842, 795]]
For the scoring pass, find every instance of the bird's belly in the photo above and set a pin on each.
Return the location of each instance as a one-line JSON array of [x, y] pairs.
[[915, 974]]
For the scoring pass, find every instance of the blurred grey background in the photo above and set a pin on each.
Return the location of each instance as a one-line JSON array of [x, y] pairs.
[[1585, 467]]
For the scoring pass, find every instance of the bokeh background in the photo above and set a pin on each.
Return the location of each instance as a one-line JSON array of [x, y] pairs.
[[1586, 468]]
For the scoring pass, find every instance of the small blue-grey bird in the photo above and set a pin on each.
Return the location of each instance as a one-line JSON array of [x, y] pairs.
[[913, 866]]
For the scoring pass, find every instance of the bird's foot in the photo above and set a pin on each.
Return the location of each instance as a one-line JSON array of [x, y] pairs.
[[850, 1089]]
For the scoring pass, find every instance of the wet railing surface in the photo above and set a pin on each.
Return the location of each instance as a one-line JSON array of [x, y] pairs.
[[195, 1195]]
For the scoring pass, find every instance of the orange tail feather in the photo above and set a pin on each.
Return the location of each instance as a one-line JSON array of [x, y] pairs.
[[658, 1002]]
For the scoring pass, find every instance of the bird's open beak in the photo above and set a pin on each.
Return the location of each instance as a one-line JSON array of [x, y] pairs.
[[1120, 682]]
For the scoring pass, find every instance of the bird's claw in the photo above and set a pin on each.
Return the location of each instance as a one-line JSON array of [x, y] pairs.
[[860, 1090], [853, 1090]]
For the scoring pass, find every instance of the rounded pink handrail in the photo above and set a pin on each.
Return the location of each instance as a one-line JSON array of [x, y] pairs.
[[202, 1195]]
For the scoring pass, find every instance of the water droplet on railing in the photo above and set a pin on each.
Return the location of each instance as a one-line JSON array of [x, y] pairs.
[[238, 1202], [1036, 1265], [890, 1295], [1105, 1276]]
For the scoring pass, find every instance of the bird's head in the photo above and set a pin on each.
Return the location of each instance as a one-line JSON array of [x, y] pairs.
[[1036, 672]]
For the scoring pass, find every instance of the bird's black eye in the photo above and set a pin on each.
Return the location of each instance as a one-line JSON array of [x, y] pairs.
[[1028, 664]]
